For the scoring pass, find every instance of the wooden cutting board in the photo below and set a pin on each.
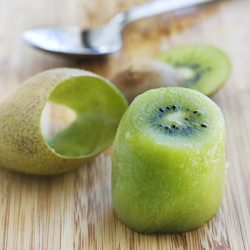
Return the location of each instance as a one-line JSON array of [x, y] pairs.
[[74, 211]]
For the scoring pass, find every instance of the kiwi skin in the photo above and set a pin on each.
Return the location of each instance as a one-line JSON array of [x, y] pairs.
[[22, 145], [164, 184], [140, 76]]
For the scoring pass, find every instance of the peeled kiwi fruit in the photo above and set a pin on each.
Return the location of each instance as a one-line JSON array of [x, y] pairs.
[[201, 67], [168, 161], [98, 107], [139, 76]]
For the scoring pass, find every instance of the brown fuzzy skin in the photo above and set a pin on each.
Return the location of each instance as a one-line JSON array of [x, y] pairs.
[[22, 146], [144, 75]]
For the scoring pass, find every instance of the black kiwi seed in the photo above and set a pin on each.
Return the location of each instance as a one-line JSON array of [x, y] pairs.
[[186, 119], [203, 125], [161, 109], [173, 126], [195, 112], [168, 108], [174, 107]]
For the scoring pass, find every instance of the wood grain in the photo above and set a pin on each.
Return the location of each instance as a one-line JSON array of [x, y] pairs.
[[74, 211]]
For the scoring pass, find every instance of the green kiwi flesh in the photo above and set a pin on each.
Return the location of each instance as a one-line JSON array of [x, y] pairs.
[[98, 106], [168, 161], [202, 67]]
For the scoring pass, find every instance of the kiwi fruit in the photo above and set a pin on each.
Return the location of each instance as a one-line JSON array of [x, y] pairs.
[[168, 161], [97, 104], [139, 76], [201, 67]]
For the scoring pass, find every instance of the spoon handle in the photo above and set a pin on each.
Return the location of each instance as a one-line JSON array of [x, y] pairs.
[[158, 7]]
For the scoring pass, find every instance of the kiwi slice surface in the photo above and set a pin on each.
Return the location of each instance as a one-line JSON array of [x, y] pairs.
[[168, 161], [202, 67], [98, 106]]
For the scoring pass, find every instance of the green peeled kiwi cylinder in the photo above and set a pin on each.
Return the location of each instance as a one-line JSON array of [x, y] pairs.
[[98, 106], [168, 162]]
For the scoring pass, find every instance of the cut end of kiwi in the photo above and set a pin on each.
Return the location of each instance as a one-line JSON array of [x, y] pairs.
[[178, 115], [201, 67]]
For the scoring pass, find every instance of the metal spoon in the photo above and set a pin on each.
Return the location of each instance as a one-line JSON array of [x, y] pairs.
[[102, 40]]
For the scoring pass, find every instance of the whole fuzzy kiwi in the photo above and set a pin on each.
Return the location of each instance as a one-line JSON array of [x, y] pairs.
[[140, 76]]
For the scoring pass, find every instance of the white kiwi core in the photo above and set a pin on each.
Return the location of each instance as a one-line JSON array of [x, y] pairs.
[[176, 118], [186, 73]]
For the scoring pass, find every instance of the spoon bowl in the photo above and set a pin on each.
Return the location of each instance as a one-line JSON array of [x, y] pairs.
[[74, 41]]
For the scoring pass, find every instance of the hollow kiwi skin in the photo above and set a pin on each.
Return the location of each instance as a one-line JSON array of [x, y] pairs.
[[22, 146], [162, 188]]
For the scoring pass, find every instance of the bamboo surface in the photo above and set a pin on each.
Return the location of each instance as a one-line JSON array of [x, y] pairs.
[[74, 210]]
